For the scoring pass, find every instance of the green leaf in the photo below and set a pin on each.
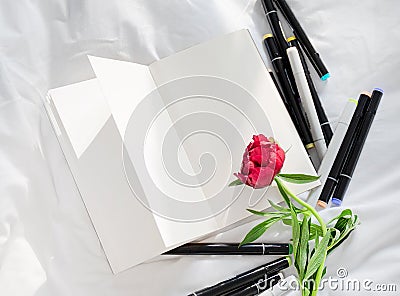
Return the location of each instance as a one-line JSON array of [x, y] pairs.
[[278, 207], [293, 213], [345, 223], [347, 213], [315, 230], [298, 178], [306, 292], [283, 192], [266, 214], [287, 221], [335, 234], [295, 231], [345, 226], [316, 244], [287, 150], [323, 272], [339, 241], [236, 183], [342, 224], [302, 256], [317, 258], [259, 230], [279, 215]]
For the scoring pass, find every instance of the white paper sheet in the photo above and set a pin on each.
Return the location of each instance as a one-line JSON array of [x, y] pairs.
[[160, 154], [43, 222]]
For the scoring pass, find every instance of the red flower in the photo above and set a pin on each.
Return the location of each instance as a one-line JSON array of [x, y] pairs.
[[262, 160]]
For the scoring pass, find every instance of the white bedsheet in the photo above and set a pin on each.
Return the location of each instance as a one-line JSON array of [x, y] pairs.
[[47, 244]]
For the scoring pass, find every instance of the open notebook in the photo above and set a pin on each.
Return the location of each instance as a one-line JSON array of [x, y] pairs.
[[153, 148]]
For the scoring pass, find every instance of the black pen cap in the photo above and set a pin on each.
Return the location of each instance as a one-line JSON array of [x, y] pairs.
[[376, 97], [272, 47]]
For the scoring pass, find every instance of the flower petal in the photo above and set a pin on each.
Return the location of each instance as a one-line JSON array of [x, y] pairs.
[[241, 177]]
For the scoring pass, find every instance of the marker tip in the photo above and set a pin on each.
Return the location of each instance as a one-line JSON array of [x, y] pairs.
[[336, 201], [378, 89], [326, 76], [322, 204], [366, 93]]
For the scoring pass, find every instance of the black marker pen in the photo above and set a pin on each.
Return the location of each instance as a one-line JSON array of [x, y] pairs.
[[305, 42], [293, 108], [244, 278], [282, 45], [259, 287], [351, 162], [323, 119], [344, 150], [273, 20], [278, 87], [232, 249]]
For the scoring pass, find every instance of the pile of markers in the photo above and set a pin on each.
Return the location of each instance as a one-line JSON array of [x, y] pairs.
[[294, 80], [257, 281], [340, 160], [334, 154]]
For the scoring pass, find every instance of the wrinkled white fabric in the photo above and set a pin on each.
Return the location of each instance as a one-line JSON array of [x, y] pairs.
[[47, 243]]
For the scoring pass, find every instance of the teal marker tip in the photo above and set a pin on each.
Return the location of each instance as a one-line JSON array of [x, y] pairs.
[[325, 77]]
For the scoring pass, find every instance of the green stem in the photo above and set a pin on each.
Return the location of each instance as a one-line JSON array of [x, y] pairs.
[[323, 227], [306, 205]]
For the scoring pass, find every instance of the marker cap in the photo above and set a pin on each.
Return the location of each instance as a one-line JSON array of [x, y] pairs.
[[366, 93], [325, 77], [267, 36], [336, 201], [353, 101], [291, 38], [348, 112], [310, 146], [322, 204], [272, 47]]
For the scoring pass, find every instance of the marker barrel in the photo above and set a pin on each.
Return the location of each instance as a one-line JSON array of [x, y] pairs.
[[343, 152], [272, 16], [306, 99], [298, 31], [273, 20], [277, 62], [283, 287], [244, 279], [231, 249], [259, 287], [354, 155], [333, 148], [294, 110], [278, 87], [323, 119]]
